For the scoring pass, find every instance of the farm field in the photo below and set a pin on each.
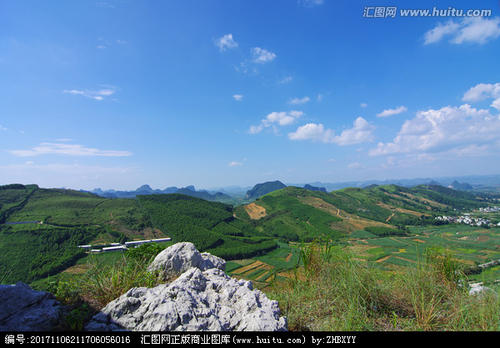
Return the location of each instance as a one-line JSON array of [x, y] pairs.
[[469, 245], [263, 269]]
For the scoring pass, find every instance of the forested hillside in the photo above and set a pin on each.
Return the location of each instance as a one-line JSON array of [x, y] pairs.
[[41, 228]]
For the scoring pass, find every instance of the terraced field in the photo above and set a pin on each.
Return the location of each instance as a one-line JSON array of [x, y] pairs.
[[264, 269], [469, 245]]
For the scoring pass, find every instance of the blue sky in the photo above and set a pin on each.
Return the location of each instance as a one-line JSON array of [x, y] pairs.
[[119, 93]]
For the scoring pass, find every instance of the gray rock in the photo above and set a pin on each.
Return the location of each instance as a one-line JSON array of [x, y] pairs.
[[180, 257], [208, 300], [24, 309], [479, 290]]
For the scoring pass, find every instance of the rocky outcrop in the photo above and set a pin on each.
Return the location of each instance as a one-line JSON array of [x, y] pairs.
[[203, 297], [24, 309], [180, 257], [477, 289]]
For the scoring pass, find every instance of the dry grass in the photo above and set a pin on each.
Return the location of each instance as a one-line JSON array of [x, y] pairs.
[[334, 292]]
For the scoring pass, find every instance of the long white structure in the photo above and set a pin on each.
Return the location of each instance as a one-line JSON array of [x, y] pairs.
[[114, 248], [118, 246]]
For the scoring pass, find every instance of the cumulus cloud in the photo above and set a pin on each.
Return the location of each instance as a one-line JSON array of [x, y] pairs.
[[283, 118], [92, 94], [226, 42], [238, 97], [449, 129], [496, 104], [469, 29], [363, 105], [262, 56], [361, 132], [484, 91], [297, 101], [391, 112], [314, 132], [67, 149]]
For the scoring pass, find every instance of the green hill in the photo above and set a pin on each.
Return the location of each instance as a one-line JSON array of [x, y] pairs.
[[297, 214], [41, 228], [263, 189]]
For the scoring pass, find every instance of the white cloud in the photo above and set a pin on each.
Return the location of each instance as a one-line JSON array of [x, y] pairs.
[[449, 129], [67, 149], [478, 30], [391, 112], [276, 118], [235, 164], [285, 80], [96, 95], [262, 56], [226, 42], [311, 3], [314, 132], [2, 128], [361, 132], [363, 105], [297, 101], [469, 29], [319, 97], [256, 129], [482, 91], [238, 97], [440, 31], [496, 104]]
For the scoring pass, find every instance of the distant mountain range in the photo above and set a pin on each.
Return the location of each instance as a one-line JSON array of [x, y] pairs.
[[314, 188], [470, 182], [238, 194], [147, 190]]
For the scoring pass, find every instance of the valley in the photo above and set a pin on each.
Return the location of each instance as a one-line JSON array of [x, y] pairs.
[[286, 241], [390, 226]]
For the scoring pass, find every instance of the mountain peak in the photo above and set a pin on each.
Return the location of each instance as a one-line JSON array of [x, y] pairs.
[[264, 188], [146, 188]]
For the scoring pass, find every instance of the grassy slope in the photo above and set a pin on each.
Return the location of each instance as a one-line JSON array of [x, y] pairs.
[[309, 214], [334, 292]]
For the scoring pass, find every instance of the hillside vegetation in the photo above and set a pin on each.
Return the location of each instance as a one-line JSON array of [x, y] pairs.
[[60, 220]]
